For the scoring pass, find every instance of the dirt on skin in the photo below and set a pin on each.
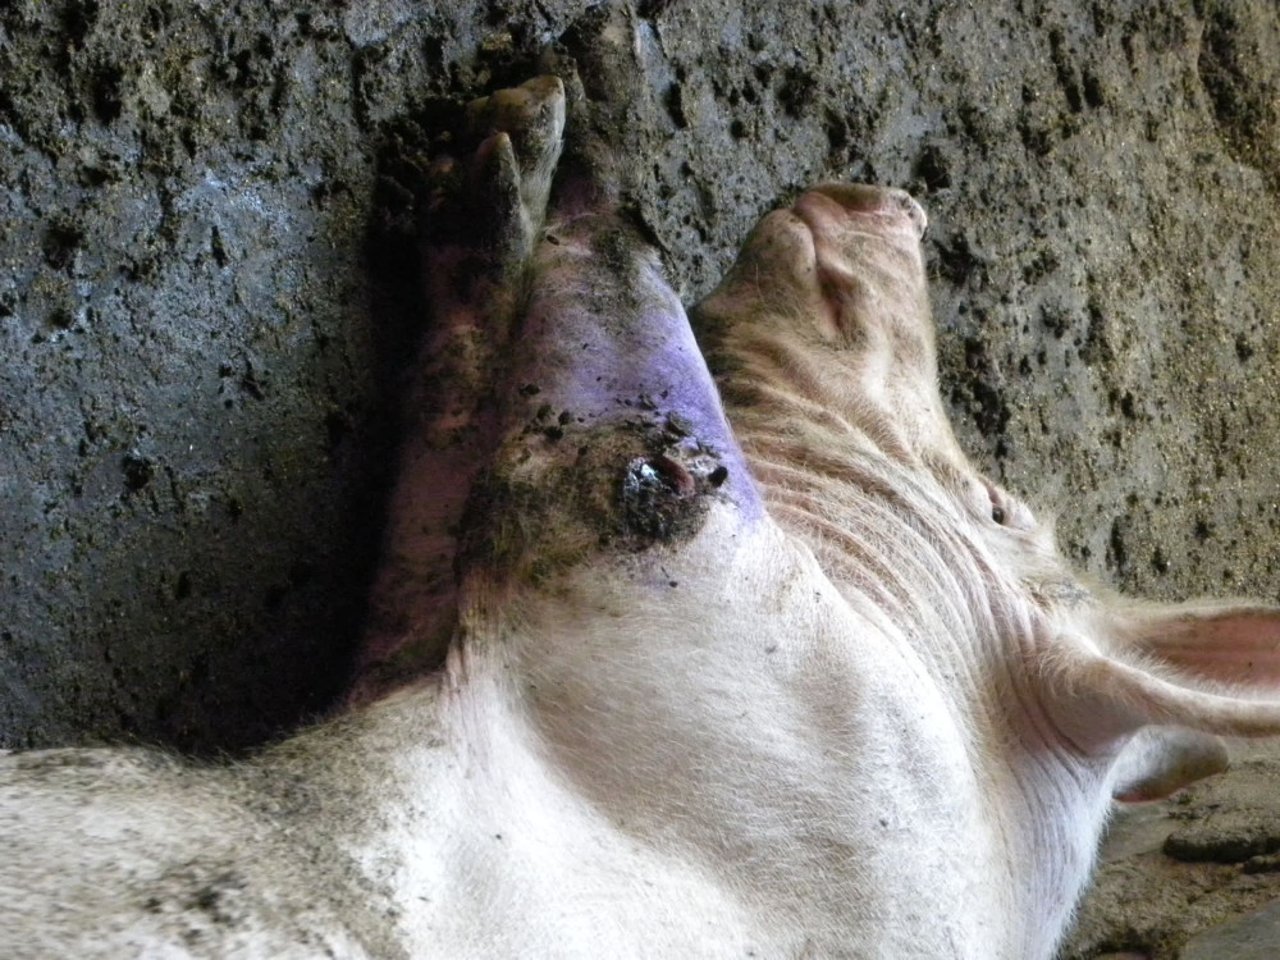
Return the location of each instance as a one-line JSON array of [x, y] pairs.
[[207, 285]]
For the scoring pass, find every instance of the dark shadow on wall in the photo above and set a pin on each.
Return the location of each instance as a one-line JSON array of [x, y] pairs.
[[209, 601]]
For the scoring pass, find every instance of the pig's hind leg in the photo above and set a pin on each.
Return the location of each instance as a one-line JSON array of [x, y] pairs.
[[486, 210], [612, 432]]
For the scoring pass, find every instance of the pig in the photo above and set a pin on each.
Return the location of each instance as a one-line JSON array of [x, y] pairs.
[[742, 656]]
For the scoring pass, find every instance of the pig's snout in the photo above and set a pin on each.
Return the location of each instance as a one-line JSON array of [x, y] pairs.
[[832, 209]]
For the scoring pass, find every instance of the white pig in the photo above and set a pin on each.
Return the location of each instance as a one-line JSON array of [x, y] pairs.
[[805, 686]]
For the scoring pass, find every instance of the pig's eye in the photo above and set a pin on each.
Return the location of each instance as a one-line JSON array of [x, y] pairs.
[[999, 514], [1007, 512], [989, 500]]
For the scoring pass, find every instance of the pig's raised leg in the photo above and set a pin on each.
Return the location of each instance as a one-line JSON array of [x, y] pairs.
[[612, 430], [486, 213]]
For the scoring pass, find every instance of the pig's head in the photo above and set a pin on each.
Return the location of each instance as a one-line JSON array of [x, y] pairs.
[[823, 340], [823, 346]]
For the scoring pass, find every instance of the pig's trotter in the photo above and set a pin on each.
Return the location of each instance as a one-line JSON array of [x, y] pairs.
[[489, 205], [487, 208], [520, 131]]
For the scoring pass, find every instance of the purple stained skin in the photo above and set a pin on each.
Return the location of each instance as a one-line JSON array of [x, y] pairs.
[[555, 342], [605, 338]]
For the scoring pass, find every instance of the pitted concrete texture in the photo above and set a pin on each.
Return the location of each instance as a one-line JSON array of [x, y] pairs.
[[1253, 937], [207, 289]]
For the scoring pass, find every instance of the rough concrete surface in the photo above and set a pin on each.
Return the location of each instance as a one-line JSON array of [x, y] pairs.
[[207, 289]]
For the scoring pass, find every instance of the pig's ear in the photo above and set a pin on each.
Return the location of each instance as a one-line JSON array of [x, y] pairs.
[[1215, 669], [1218, 643], [1160, 760]]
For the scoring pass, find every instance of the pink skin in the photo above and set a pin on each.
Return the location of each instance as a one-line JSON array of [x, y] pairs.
[[812, 686], [595, 444], [605, 354]]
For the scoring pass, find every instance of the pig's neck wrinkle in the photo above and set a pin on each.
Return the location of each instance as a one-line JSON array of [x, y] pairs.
[[899, 554], [1051, 813]]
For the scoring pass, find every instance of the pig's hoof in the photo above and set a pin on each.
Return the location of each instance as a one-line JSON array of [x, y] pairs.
[[497, 200], [521, 130]]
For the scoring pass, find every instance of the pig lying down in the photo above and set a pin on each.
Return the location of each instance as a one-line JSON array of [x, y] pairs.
[[744, 658]]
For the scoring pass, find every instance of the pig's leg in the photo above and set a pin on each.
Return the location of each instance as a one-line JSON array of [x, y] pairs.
[[485, 215], [612, 430]]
